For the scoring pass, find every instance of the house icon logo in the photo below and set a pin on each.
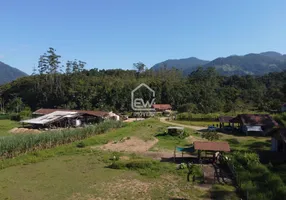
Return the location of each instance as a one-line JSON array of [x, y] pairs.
[[138, 103]]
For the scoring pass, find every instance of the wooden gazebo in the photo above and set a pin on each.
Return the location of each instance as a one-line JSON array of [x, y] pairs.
[[212, 147]]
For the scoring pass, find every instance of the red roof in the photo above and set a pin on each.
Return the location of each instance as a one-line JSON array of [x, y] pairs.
[[255, 120], [162, 106], [211, 146], [44, 111]]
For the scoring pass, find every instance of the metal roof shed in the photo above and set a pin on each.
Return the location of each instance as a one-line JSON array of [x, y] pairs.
[[49, 118]]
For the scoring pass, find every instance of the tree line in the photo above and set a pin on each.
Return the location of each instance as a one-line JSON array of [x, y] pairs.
[[71, 86]]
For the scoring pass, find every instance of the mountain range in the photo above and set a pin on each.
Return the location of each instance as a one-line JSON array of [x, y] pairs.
[[8, 73], [249, 64]]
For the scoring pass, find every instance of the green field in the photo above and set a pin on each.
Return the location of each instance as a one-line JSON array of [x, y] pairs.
[[86, 177], [69, 172], [197, 123], [237, 141], [6, 125]]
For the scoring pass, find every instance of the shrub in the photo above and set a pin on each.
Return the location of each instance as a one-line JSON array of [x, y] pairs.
[[209, 135], [184, 135], [4, 116], [15, 117], [147, 167], [80, 144], [26, 113]]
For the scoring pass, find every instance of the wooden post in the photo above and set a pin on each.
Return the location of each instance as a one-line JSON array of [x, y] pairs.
[[199, 155]]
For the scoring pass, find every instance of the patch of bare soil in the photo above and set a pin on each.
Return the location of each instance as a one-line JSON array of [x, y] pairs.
[[133, 144], [133, 119], [24, 130], [192, 139]]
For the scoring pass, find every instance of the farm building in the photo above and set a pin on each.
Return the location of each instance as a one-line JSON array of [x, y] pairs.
[[262, 123], [162, 107], [55, 118], [278, 140]]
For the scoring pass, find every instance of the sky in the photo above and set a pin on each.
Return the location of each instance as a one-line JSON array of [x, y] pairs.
[[117, 33]]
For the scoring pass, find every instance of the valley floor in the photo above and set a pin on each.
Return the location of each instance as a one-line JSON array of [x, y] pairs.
[[69, 172]]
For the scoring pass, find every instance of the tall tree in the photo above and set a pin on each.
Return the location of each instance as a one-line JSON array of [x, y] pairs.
[[140, 67], [53, 61]]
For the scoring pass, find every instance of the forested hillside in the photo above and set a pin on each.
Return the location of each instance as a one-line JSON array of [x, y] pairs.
[[203, 91], [8, 73]]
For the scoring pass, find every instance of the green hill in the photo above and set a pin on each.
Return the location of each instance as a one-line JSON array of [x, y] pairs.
[[8, 73]]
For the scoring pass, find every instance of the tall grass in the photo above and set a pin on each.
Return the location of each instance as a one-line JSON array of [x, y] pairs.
[[255, 180], [11, 146]]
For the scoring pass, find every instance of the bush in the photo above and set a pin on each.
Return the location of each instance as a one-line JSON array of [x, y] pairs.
[[15, 117], [80, 145], [209, 135], [4, 116], [26, 113], [184, 135], [132, 164], [147, 167]]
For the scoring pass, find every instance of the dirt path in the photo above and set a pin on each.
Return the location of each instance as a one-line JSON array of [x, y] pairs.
[[197, 128], [136, 145]]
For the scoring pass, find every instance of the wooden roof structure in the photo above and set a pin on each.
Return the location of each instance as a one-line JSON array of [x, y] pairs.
[[225, 119], [254, 120], [211, 146]]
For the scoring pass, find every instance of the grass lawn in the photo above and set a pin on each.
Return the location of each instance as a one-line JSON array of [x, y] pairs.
[[85, 176], [6, 125], [238, 141], [246, 143], [197, 123]]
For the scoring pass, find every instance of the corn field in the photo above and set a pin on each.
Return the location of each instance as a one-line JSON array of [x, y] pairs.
[[11, 146]]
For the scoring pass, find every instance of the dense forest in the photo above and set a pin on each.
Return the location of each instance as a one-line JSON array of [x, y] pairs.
[[54, 85]]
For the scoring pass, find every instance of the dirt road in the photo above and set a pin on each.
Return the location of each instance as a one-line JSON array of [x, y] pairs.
[[197, 128]]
